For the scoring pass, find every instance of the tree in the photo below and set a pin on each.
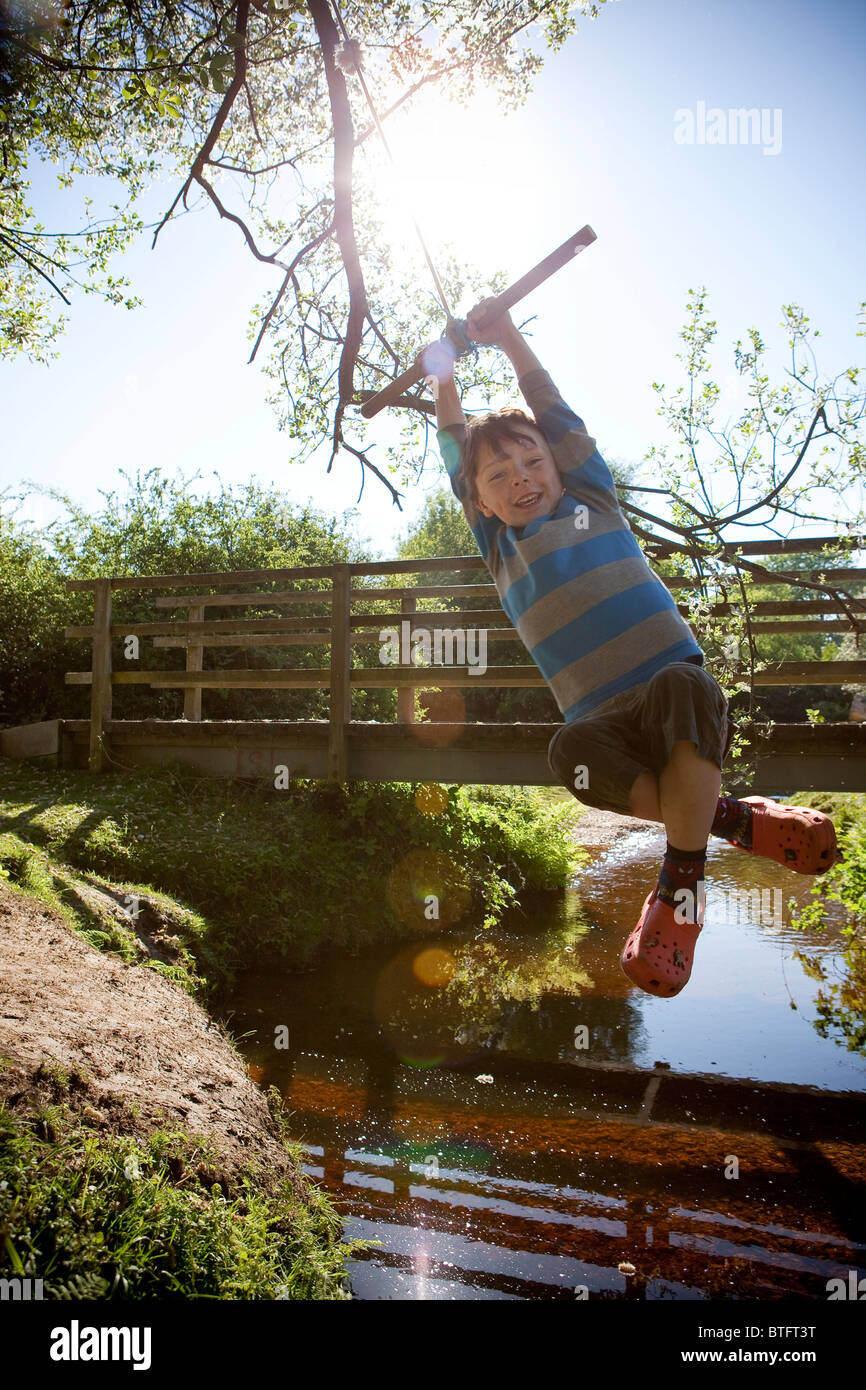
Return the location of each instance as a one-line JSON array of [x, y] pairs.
[[768, 463], [441, 528], [271, 94], [286, 99], [161, 527], [792, 460]]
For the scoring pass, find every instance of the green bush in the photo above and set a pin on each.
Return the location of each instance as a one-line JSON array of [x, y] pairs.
[[264, 876], [841, 1000]]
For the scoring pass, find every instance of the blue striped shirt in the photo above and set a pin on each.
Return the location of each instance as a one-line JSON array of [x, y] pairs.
[[592, 614]]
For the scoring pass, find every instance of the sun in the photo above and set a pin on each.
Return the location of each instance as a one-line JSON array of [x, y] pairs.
[[456, 170]]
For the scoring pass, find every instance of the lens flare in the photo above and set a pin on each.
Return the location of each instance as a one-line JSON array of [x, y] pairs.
[[427, 889], [434, 967], [413, 1009], [446, 718]]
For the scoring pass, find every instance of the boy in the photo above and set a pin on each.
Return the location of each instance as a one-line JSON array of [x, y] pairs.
[[646, 729]]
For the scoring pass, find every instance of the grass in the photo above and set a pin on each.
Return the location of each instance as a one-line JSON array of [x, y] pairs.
[[93, 907], [239, 874], [110, 1216]]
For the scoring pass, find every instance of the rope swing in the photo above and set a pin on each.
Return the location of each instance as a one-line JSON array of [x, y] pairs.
[[350, 59]]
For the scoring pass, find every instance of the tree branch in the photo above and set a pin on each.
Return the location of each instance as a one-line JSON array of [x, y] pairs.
[[344, 228], [310, 246], [237, 82], [18, 252]]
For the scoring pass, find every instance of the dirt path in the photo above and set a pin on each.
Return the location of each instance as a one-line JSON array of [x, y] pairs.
[[147, 1053], [598, 829]]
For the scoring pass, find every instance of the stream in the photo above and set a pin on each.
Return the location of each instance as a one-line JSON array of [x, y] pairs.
[[508, 1117]]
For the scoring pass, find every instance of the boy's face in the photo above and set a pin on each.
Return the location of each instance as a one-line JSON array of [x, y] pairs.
[[518, 480]]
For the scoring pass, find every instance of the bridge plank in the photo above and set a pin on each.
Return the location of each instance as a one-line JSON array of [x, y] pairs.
[[340, 682], [101, 675], [276, 600], [788, 758], [317, 639], [764, 608], [788, 545], [393, 677]]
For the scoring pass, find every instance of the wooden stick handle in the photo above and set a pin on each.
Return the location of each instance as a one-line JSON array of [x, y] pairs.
[[394, 390], [543, 271], [506, 300]]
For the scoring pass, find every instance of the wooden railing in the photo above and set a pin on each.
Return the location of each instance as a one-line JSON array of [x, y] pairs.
[[343, 626]]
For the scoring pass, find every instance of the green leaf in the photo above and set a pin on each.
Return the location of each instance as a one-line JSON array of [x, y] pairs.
[[13, 1256]]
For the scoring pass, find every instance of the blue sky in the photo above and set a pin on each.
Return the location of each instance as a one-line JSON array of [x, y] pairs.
[[170, 384]]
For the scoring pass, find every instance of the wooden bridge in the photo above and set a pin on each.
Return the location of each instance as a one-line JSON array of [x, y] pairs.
[[343, 610]]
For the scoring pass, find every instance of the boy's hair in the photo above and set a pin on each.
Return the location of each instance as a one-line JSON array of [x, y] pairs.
[[493, 429]]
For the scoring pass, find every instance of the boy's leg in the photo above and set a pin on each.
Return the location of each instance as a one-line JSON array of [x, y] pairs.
[[604, 759], [684, 729], [599, 756], [799, 837], [684, 796], [603, 756], [688, 794]]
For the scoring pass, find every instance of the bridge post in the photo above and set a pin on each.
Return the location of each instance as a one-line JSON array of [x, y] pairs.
[[341, 665], [100, 685], [406, 694], [194, 662]]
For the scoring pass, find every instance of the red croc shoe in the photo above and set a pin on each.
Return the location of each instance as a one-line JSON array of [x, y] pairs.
[[796, 836], [659, 952]]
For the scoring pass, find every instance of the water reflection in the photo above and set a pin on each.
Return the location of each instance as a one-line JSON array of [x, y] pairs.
[[713, 1143]]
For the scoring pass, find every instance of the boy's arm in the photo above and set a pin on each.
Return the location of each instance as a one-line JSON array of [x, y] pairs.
[[451, 425], [438, 361], [573, 449]]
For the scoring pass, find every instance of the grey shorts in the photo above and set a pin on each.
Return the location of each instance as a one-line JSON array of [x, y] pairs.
[[600, 756]]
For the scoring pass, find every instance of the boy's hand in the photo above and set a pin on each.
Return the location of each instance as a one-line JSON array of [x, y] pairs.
[[437, 360], [497, 332]]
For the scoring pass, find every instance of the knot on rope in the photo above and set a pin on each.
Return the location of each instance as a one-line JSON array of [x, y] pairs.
[[350, 56], [455, 334]]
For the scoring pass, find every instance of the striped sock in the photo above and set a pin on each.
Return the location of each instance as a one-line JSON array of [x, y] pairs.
[[681, 868], [733, 822]]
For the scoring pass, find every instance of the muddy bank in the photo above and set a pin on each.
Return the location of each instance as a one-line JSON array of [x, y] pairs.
[[144, 1053]]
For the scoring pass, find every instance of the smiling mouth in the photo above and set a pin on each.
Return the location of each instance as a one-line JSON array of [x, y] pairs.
[[530, 501]]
